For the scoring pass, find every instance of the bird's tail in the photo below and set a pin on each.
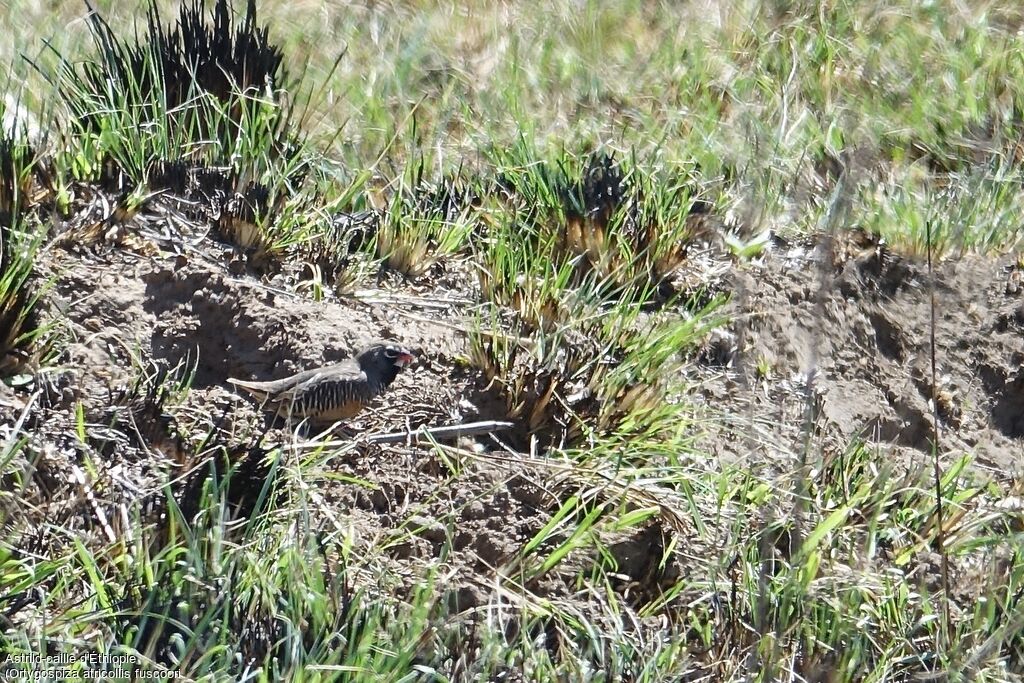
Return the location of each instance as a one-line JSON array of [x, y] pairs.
[[257, 389]]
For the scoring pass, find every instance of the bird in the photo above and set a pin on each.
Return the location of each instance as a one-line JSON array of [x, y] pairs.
[[333, 392]]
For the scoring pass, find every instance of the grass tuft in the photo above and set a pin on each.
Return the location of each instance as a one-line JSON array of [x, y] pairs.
[[19, 291]]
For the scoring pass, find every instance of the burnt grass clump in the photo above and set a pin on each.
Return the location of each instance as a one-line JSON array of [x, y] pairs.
[[613, 216], [628, 231], [213, 64], [615, 236], [18, 289], [143, 101]]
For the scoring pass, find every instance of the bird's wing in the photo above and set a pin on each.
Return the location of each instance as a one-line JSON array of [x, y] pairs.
[[287, 386], [328, 390]]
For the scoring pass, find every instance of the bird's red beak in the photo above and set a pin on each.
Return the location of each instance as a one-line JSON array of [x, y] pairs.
[[404, 359]]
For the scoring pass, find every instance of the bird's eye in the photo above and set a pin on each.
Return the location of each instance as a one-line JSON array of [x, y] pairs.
[[391, 352]]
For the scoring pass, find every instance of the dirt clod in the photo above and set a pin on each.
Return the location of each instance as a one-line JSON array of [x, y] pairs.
[[866, 337]]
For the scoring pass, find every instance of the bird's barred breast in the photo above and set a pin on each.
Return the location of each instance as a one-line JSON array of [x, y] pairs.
[[332, 399]]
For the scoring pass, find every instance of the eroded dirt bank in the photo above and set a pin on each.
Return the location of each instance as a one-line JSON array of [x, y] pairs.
[[867, 333]]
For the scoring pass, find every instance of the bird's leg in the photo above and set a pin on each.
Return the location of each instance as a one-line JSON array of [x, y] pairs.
[[272, 421], [344, 430], [322, 435]]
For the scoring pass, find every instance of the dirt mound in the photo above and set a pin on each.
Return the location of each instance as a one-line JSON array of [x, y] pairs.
[[864, 327], [128, 314], [175, 310]]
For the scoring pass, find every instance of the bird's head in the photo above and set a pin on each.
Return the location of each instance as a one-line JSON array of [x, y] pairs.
[[385, 359]]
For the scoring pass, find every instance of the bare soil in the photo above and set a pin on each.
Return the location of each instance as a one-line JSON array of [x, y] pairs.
[[862, 324]]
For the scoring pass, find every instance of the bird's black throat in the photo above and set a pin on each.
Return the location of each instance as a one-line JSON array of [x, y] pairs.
[[388, 375]]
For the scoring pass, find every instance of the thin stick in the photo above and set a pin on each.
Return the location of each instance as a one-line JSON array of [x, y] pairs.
[[442, 433], [78, 476], [416, 435], [379, 296], [940, 534]]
